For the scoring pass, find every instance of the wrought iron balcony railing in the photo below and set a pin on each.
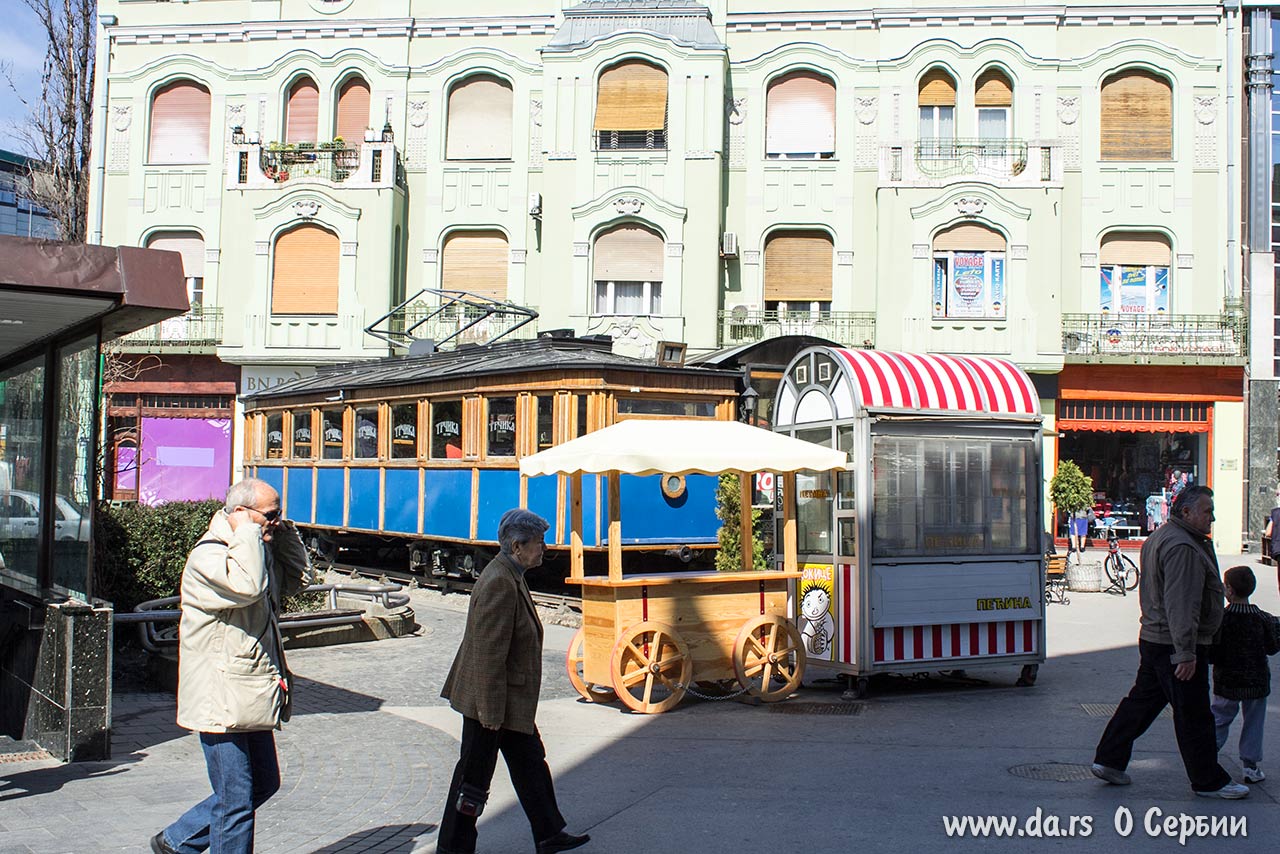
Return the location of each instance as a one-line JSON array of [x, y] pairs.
[[333, 164], [850, 328], [197, 330], [631, 140], [1155, 338], [993, 158]]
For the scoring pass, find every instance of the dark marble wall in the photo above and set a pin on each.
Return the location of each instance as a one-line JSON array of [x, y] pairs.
[[1264, 437]]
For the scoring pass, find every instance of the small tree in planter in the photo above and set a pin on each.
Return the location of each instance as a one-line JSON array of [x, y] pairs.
[[729, 512], [1070, 489]]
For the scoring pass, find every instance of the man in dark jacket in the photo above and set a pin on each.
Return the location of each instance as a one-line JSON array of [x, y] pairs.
[[1181, 598]]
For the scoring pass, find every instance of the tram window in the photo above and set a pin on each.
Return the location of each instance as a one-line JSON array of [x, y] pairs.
[[331, 434], [302, 434], [502, 427], [404, 431], [446, 430], [669, 408], [275, 436], [582, 415], [546, 422], [366, 446]]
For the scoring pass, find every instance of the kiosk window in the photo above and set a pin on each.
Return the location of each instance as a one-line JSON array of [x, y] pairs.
[[275, 436], [446, 430], [813, 501], [669, 408], [332, 435], [366, 433], [546, 422], [302, 434], [502, 427], [404, 431]]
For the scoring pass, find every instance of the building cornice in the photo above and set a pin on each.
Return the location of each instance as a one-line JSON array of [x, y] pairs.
[[986, 16], [530, 25]]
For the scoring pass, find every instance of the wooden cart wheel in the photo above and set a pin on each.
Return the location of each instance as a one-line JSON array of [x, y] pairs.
[[769, 658], [588, 691], [651, 667]]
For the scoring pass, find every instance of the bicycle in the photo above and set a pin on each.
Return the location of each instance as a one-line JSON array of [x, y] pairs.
[[1121, 570]]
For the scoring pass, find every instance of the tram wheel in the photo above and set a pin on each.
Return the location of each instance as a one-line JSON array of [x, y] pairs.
[[769, 658], [651, 667], [573, 659]]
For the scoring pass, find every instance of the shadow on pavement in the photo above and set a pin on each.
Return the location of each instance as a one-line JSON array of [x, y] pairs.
[[42, 781], [390, 839]]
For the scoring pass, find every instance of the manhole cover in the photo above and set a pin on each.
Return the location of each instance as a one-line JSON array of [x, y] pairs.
[[1053, 772], [817, 708], [1106, 710]]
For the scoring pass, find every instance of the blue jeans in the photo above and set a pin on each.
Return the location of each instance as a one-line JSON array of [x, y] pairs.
[[1255, 715], [244, 773]]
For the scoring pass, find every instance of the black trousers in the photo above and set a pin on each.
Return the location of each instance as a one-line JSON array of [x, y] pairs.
[[1155, 688], [526, 760]]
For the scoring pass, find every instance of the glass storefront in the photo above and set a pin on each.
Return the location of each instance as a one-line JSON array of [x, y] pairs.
[[21, 462], [73, 466]]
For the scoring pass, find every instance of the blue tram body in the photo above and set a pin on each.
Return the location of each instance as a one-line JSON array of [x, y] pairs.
[[424, 451]]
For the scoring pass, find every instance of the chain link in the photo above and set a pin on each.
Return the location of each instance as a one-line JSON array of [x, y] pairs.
[[713, 698]]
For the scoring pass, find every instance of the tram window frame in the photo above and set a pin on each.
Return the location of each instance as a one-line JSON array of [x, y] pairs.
[[294, 444], [436, 407], [544, 417], [489, 426], [665, 407], [274, 425], [326, 446], [363, 449], [583, 413], [402, 448]]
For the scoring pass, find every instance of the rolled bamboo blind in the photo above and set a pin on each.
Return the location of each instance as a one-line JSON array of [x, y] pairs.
[[632, 96], [476, 262], [1137, 116], [479, 125], [969, 237], [797, 266], [180, 124], [304, 277], [628, 253], [993, 89], [302, 113], [1135, 248], [800, 114], [353, 111], [937, 89]]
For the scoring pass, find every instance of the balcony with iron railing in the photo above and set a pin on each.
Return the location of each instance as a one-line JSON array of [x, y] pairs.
[[748, 326], [1155, 339], [197, 331], [369, 165], [1007, 162]]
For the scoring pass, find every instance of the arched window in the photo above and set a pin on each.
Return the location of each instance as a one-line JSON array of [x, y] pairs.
[[479, 123], [302, 112], [304, 278], [1137, 116], [631, 106], [969, 272], [797, 272], [476, 262], [800, 116], [352, 114], [937, 101], [1134, 272], [179, 124], [628, 271], [993, 98], [190, 245]]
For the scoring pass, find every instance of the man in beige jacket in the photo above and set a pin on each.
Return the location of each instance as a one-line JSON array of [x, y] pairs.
[[232, 679]]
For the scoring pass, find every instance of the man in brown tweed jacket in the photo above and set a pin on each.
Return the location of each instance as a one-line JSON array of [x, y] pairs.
[[494, 684]]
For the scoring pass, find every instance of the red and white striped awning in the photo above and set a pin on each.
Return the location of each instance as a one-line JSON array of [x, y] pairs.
[[928, 381]]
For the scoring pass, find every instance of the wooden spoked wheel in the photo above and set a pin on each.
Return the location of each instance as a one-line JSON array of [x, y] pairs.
[[769, 657], [651, 667], [588, 691]]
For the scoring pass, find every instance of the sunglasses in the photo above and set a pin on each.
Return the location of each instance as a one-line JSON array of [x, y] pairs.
[[270, 515]]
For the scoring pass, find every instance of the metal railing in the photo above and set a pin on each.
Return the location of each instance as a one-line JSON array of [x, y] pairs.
[[458, 318], [334, 164], [1154, 337], [197, 328], [994, 158], [631, 140], [850, 328]]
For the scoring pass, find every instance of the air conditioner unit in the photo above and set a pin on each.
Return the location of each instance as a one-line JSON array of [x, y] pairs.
[[738, 314], [729, 245]]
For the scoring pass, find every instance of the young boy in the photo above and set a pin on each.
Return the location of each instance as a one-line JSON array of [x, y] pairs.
[[1241, 674]]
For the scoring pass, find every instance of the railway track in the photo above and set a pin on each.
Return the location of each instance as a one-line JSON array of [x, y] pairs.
[[444, 585]]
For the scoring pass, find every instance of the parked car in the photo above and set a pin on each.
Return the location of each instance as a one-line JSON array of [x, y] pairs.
[[20, 517]]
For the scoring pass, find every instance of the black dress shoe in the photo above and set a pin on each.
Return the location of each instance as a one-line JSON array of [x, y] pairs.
[[159, 846], [562, 842]]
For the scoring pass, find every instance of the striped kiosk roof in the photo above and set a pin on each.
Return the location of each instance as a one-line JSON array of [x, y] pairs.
[[884, 379]]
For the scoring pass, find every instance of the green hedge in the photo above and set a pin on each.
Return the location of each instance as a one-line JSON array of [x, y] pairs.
[[139, 551]]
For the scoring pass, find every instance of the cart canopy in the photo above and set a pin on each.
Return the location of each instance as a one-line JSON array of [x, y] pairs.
[[645, 446]]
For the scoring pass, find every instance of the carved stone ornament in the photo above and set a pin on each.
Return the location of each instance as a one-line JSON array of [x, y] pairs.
[[1206, 108], [235, 115], [970, 206], [866, 108], [418, 113], [628, 205], [535, 113], [737, 110], [306, 208], [122, 117], [1068, 109]]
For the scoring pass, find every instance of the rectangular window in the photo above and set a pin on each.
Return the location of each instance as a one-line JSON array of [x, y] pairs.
[[628, 298], [366, 444], [671, 408], [77, 388], [969, 285], [993, 122], [446, 430], [937, 123], [546, 422], [275, 435], [404, 431], [814, 501], [1133, 289], [582, 415], [22, 458], [331, 420], [502, 427], [302, 434]]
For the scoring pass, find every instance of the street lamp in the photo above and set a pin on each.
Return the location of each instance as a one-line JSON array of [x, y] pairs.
[[749, 398]]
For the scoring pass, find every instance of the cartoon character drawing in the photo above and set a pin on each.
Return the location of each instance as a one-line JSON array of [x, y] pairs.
[[817, 628]]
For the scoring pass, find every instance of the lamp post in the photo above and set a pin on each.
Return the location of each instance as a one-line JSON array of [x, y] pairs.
[[749, 398]]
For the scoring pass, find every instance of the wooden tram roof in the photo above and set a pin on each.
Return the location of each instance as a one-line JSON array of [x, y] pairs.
[[508, 357]]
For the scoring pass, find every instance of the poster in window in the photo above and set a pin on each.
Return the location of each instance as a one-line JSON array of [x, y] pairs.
[[967, 297], [997, 285], [1107, 298], [939, 286], [817, 608], [1160, 295], [1133, 290]]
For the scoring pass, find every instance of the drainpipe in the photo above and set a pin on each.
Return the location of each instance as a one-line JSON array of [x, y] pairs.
[[1231, 8], [101, 117]]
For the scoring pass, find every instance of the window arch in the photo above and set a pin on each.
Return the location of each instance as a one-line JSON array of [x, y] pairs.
[[631, 106], [190, 245], [476, 262], [993, 99], [351, 116], [1137, 116], [304, 277], [1133, 271], [628, 269], [479, 121], [969, 271], [798, 271], [800, 116], [302, 111], [936, 97], [179, 123]]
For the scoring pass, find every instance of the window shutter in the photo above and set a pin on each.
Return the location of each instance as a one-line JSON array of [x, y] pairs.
[[969, 237], [937, 89], [180, 124], [629, 253], [1135, 249], [353, 112], [797, 266], [479, 120], [302, 116], [1137, 117], [632, 96], [801, 115], [305, 275], [476, 262], [993, 89], [188, 244]]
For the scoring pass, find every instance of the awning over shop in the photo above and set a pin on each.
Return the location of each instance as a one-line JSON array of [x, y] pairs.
[[1135, 416]]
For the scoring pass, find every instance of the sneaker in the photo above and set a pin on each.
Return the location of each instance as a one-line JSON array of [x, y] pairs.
[[1253, 774], [1114, 776], [1231, 792], [160, 846]]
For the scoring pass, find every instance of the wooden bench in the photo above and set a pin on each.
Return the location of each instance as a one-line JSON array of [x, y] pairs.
[[1055, 579]]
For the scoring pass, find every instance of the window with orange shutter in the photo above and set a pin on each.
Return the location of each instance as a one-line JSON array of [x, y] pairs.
[[353, 111], [936, 99], [179, 124], [1133, 273], [304, 278], [800, 117], [628, 270], [969, 272], [631, 107], [475, 262], [302, 112], [798, 272], [1137, 116]]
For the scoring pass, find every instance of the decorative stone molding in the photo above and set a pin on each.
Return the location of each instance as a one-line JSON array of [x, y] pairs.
[[865, 108], [1088, 259], [1068, 109], [561, 155], [349, 247], [306, 208], [417, 112], [751, 256], [970, 205], [1018, 252], [121, 121], [675, 250], [736, 111], [212, 256], [121, 117], [920, 250], [430, 256], [415, 146], [261, 247], [1206, 108], [1186, 262], [235, 115], [535, 132], [844, 259], [518, 256], [581, 249]]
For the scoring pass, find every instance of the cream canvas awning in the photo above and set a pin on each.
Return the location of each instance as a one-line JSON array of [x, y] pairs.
[[646, 446]]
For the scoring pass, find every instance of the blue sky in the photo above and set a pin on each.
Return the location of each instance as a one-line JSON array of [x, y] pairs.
[[22, 42]]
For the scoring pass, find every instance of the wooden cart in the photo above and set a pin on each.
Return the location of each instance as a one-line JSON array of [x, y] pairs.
[[647, 638]]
